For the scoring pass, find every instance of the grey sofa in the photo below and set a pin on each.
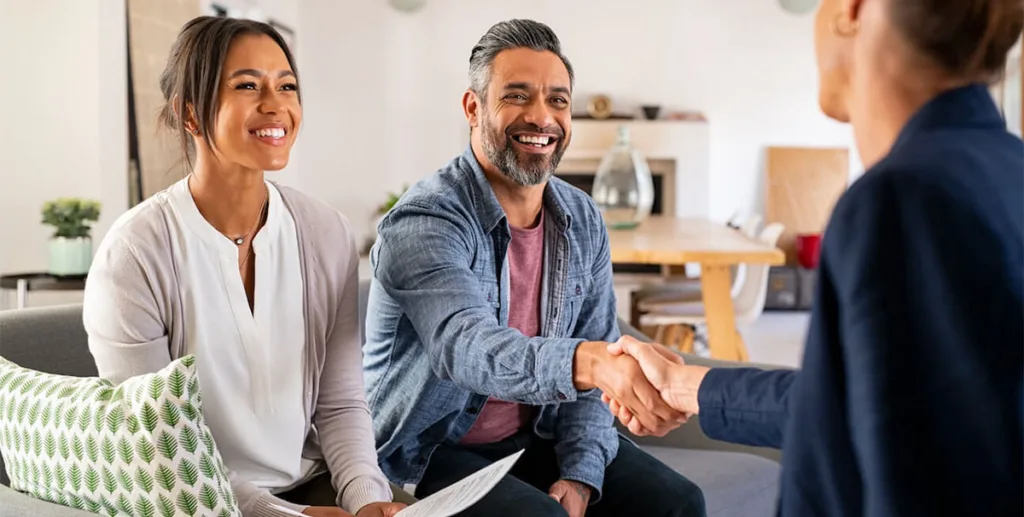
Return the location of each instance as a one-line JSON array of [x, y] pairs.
[[737, 481]]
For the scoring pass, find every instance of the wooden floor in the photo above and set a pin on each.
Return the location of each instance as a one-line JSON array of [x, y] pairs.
[[777, 338]]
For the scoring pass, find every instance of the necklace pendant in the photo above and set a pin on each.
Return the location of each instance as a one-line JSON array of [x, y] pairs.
[[239, 241]]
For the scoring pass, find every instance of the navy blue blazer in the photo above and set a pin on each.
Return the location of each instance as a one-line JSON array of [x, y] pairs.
[[910, 400]]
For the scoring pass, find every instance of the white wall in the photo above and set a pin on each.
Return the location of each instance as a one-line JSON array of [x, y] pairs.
[[65, 118], [382, 88]]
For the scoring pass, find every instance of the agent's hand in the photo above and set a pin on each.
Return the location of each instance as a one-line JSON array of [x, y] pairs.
[[572, 495], [676, 382], [621, 378]]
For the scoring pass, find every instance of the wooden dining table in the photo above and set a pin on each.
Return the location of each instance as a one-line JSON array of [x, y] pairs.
[[669, 241]]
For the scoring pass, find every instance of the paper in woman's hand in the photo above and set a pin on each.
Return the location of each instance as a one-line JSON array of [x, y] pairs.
[[455, 498], [463, 494]]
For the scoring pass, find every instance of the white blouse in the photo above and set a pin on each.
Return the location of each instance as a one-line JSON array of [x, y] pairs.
[[250, 364]]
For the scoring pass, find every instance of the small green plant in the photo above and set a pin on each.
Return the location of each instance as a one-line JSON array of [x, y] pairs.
[[71, 217], [392, 200]]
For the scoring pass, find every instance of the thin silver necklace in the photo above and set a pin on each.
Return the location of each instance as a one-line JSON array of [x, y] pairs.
[[259, 217]]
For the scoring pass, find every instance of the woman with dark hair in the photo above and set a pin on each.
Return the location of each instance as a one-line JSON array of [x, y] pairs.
[[910, 401], [255, 279]]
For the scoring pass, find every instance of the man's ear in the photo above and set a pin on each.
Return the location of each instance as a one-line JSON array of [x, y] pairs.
[[471, 106]]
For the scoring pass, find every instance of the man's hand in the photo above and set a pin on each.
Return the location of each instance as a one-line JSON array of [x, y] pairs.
[[655, 360], [325, 511], [677, 382], [572, 495], [380, 510], [621, 378]]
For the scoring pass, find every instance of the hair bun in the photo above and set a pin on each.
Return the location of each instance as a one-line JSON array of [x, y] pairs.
[[969, 38]]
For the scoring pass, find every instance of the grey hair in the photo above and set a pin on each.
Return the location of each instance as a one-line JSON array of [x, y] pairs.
[[508, 35]]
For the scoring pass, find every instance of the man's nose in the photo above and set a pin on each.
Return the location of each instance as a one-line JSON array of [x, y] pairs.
[[539, 114]]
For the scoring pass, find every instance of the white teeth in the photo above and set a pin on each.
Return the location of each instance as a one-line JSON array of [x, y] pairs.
[[536, 140], [274, 132]]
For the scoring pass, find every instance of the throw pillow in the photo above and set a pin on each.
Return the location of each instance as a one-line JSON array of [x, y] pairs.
[[139, 449]]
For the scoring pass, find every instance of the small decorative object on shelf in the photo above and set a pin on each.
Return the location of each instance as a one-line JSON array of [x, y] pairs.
[[651, 111], [407, 6], [71, 244], [623, 188], [600, 107], [798, 6], [688, 116]]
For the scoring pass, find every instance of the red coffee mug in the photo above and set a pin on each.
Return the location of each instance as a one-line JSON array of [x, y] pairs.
[[808, 247]]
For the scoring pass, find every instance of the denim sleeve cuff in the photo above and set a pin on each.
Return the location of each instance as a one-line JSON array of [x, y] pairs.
[[580, 475], [586, 460], [555, 370]]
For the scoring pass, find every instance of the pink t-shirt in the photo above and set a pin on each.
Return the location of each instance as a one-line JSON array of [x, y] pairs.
[[500, 419]]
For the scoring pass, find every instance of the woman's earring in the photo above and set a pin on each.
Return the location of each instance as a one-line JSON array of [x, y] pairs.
[[844, 28]]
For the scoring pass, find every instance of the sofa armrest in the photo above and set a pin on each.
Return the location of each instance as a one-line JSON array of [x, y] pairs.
[[17, 504], [690, 435]]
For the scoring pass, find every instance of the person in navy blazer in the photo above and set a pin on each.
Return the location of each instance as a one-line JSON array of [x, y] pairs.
[[910, 399]]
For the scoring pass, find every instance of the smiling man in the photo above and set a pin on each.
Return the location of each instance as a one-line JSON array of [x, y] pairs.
[[491, 307]]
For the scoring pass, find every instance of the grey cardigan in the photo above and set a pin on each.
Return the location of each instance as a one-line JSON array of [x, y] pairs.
[[133, 315]]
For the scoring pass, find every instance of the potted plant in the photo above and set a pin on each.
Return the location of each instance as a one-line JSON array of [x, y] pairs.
[[378, 216], [71, 243], [387, 205]]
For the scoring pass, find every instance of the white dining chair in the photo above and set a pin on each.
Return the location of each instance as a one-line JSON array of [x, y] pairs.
[[748, 302]]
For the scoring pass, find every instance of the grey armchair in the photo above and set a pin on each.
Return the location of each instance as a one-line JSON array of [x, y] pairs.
[[737, 481]]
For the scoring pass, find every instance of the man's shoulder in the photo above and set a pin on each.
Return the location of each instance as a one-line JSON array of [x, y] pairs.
[[578, 204], [446, 193], [448, 184], [574, 196]]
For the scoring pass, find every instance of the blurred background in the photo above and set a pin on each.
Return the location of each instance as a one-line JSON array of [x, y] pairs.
[[733, 81]]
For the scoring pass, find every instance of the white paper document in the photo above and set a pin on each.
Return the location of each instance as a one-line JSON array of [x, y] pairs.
[[455, 498], [463, 494]]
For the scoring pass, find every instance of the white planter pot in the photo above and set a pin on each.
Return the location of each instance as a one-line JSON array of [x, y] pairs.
[[70, 256]]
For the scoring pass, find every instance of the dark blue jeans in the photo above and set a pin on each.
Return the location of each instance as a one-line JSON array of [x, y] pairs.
[[635, 483]]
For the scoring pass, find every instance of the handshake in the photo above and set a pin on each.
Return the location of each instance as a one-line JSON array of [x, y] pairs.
[[646, 386]]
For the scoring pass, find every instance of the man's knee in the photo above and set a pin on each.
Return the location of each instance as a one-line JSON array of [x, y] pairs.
[[682, 498], [541, 506]]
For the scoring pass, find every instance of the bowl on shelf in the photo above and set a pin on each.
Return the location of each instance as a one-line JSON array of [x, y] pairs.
[[651, 112]]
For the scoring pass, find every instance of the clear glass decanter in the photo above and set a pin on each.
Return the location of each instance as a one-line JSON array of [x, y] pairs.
[[623, 188]]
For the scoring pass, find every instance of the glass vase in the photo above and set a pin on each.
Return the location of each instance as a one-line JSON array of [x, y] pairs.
[[623, 188]]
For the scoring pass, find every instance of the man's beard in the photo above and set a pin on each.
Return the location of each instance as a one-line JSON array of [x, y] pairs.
[[523, 168]]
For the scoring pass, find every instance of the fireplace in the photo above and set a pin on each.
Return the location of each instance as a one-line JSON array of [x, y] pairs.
[[676, 151], [585, 182], [581, 176]]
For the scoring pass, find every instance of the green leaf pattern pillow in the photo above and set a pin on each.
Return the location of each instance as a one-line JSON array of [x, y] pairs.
[[139, 449]]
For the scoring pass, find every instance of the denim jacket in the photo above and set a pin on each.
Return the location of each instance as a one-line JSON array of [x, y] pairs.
[[437, 335]]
